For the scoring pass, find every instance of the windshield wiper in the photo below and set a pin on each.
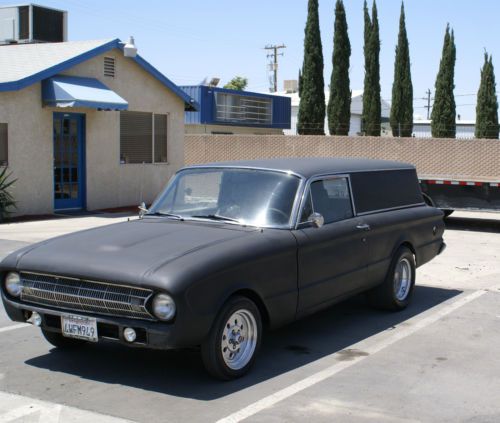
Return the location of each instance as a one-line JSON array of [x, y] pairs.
[[216, 217], [160, 213]]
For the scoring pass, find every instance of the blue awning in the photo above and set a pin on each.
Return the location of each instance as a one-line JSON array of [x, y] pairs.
[[72, 91]]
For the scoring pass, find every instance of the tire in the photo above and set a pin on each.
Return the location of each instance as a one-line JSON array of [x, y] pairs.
[[397, 289], [234, 340], [59, 341]]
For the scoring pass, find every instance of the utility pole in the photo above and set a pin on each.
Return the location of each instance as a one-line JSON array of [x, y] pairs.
[[274, 64], [428, 107]]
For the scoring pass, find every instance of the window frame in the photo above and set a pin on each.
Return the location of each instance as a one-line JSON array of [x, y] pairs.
[[220, 107], [153, 136], [6, 162], [307, 192]]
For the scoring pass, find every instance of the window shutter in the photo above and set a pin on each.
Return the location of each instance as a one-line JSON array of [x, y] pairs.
[[136, 131], [109, 66], [160, 138], [3, 144]]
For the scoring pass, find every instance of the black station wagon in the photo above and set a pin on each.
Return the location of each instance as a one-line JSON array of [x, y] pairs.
[[229, 248]]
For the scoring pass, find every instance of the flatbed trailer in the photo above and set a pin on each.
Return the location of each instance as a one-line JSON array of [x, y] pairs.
[[450, 195]]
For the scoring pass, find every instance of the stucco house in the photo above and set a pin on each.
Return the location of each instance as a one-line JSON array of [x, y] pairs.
[[84, 127]]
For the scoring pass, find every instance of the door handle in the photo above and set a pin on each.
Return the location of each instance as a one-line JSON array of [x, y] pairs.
[[363, 226]]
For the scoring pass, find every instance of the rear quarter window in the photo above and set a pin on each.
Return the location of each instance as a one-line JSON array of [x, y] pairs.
[[379, 190]]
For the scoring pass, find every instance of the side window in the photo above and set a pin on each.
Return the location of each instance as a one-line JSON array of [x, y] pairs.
[[331, 198]]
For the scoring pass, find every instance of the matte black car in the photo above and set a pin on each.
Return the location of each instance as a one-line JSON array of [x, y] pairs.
[[227, 249]]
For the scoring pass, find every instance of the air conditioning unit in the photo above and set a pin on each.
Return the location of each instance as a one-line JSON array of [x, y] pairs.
[[32, 24], [291, 86]]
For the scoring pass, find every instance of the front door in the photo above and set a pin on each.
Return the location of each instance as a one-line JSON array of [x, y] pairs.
[[69, 161], [332, 259]]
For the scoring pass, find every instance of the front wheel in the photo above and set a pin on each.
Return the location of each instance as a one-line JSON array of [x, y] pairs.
[[230, 349], [396, 290]]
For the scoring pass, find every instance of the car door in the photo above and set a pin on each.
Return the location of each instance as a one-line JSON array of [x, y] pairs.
[[331, 258]]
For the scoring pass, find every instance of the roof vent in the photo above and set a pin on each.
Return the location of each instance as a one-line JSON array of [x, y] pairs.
[[109, 66], [129, 49]]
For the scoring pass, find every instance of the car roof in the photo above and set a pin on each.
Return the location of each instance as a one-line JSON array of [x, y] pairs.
[[311, 166]]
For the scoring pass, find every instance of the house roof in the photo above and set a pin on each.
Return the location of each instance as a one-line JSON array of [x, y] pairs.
[[22, 65]]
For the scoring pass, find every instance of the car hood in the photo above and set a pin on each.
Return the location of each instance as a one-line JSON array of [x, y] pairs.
[[126, 252]]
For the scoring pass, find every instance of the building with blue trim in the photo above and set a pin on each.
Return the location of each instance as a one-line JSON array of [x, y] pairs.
[[82, 126], [224, 111]]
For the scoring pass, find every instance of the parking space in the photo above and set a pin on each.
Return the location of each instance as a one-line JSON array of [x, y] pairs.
[[435, 361]]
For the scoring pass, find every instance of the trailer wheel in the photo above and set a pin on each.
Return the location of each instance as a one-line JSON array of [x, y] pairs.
[[428, 200]]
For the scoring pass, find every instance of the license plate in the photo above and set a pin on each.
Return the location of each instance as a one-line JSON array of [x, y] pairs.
[[79, 327]]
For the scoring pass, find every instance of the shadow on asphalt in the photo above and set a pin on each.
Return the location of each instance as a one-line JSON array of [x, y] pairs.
[[181, 373], [472, 224]]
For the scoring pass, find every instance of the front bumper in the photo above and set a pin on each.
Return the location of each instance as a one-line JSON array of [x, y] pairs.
[[155, 335]]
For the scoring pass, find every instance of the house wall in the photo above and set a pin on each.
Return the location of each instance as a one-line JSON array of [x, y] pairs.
[[108, 183], [30, 156]]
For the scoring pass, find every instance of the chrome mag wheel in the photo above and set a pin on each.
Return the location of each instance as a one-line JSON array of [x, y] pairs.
[[239, 339], [402, 279]]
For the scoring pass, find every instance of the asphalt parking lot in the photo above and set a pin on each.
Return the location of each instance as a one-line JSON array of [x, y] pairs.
[[436, 361]]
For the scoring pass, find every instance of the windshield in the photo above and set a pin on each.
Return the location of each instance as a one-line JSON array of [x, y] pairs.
[[246, 196]]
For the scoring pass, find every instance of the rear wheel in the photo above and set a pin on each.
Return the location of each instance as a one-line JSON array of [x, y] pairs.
[[396, 291], [233, 342], [59, 341]]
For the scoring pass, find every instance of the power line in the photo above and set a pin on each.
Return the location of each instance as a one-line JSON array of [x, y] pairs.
[[428, 107], [274, 64]]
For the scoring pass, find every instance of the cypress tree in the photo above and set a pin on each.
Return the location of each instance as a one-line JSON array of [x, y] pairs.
[[402, 88], [443, 123], [371, 92], [311, 116], [487, 103], [339, 104]]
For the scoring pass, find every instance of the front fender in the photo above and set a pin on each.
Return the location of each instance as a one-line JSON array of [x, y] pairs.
[[264, 263]]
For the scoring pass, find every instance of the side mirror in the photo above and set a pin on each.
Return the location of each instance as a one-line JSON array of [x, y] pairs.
[[142, 210], [317, 220]]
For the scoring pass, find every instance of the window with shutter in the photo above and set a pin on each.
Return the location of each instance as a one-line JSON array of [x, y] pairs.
[[160, 138], [3, 144], [136, 133]]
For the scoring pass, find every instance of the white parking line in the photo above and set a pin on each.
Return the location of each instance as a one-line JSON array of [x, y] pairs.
[[19, 408], [398, 334], [14, 327]]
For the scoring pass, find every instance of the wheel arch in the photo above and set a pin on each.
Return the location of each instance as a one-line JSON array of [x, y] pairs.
[[256, 298], [410, 246]]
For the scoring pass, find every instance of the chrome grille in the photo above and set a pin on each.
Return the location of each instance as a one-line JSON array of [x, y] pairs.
[[82, 295]]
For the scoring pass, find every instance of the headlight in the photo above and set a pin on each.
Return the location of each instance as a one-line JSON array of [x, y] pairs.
[[13, 284], [163, 307]]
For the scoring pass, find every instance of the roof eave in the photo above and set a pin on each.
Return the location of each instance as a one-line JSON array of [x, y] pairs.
[[60, 67], [190, 104]]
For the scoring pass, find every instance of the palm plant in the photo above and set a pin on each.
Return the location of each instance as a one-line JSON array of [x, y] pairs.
[[7, 201]]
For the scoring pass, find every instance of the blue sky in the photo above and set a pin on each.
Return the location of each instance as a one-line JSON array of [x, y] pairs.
[[193, 39]]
